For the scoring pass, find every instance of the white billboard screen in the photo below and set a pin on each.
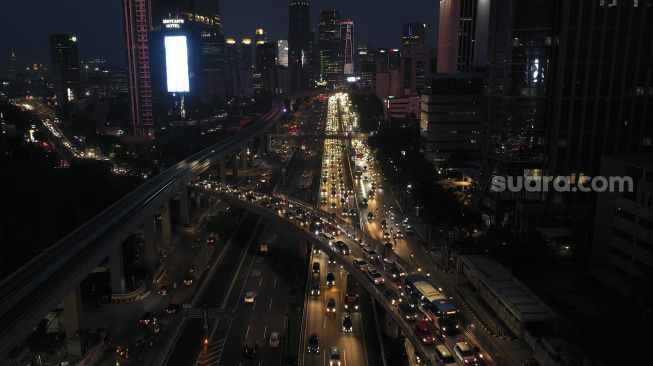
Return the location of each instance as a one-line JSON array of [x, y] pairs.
[[177, 64]]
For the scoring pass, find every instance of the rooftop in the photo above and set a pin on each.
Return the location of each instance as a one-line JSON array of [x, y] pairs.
[[521, 301]]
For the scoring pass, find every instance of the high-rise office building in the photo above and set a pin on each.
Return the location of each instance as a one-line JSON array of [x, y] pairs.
[[565, 89], [453, 110], [463, 35], [413, 34], [11, 71], [138, 24], [347, 40], [331, 52], [282, 52], [418, 64], [247, 53], [298, 33], [65, 66]]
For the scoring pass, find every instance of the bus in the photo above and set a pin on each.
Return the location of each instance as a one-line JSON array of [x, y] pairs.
[[307, 179], [438, 308], [351, 294]]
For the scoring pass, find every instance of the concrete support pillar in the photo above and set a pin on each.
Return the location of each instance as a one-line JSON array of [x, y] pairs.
[[277, 126], [117, 270], [198, 199], [166, 225], [72, 313], [149, 247], [223, 169], [263, 144], [184, 207]]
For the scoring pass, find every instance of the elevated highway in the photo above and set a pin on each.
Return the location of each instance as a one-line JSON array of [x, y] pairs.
[[38, 286], [275, 207]]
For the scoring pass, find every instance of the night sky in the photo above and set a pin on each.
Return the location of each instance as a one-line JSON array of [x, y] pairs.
[[98, 24]]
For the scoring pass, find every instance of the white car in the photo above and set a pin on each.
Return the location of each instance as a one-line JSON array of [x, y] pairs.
[[250, 297], [375, 276], [465, 353], [334, 360], [274, 340]]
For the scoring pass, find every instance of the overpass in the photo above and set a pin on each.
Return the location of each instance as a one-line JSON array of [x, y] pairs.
[[274, 207], [38, 286]]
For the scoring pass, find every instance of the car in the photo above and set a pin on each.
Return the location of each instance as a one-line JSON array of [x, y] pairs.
[[344, 211], [333, 205], [316, 267], [250, 297], [361, 264], [370, 216], [364, 202], [371, 254], [313, 344], [172, 309], [331, 262], [423, 332], [274, 341], [386, 235], [342, 248], [375, 277], [444, 355], [188, 280], [334, 359], [392, 296], [384, 224], [330, 239], [465, 353], [211, 239], [331, 306], [163, 290], [407, 312], [148, 318], [353, 212], [330, 279], [347, 324], [249, 349]]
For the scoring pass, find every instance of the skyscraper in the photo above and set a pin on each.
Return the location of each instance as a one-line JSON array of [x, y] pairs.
[[463, 35], [417, 66], [11, 71], [65, 66], [331, 54], [298, 33], [138, 23], [347, 39], [282, 52], [413, 34]]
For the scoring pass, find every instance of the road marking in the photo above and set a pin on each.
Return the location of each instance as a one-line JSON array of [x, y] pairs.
[[344, 356], [270, 306], [254, 307], [363, 334], [260, 282], [265, 331], [275, 282], [247, 332], [324, 325]]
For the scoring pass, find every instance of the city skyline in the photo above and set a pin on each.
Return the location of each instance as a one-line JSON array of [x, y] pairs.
[[99, 27]]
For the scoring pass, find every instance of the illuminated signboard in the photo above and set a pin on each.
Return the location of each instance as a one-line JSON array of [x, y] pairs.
[[173, 23], [351, 79], [177, 64]]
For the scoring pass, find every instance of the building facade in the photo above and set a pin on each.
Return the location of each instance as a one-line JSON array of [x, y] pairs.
[[418, 64], [64, 56], [453, 109], [463, 35], [413, 34], [331, 55], [138, 23]]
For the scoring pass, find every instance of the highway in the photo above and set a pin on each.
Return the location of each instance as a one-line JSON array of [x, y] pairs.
[[38, 286]]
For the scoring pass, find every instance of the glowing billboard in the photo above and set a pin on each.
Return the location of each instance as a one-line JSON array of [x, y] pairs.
[[177, 64]]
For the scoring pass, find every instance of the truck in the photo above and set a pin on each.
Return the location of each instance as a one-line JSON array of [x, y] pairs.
[[351, 294]]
